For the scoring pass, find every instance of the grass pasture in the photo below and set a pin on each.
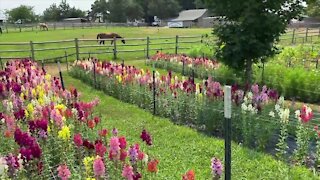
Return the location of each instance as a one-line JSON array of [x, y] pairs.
[[127, 32]]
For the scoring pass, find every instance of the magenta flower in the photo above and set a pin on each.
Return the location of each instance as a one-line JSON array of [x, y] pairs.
[[77, 139], [88, 144], [98, 167], [115, 132], [123, 142], [100, 149], [63, 172], [127, 172], [145, 136]]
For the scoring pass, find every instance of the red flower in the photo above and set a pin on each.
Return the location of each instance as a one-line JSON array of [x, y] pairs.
[[68, 113], [123, 142], [91, 124], [140, 155], [189, 175], [306, 114], [100, 149], [152, 165], [96, 120], [123, 155], [103, 132]]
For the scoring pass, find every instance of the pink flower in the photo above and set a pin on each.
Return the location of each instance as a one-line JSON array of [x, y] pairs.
[[306, 114], [127, 172], [115, 131], [98, 167], [77, 139], [63, 172], [114, 147]]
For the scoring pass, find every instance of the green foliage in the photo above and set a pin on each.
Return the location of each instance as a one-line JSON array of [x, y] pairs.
[[164, 9], [313, 8], [201, 51], [250, 29], [99, 7], [60, 12], [117, 10], [134, 10], [25, 13]]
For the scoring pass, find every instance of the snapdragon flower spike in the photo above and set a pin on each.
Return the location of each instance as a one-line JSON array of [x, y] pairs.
[[145, 136], [216, 167], [306, 114]]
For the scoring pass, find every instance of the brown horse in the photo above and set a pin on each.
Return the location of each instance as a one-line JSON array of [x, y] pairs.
[[43, 26], [109, 36]]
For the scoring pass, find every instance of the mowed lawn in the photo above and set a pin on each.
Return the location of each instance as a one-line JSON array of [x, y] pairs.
[[181, 148], [70, 34]]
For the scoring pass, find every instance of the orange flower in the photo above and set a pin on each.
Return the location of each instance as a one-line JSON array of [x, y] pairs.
[[189, 175], [7, 134], [91, 124], [152, 165]]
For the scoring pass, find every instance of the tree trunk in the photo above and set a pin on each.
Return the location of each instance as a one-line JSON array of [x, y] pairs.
[[249, 73]]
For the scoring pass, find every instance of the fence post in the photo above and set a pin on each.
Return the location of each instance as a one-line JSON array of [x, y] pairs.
[[177, 41], [66, 57], [1, 63], [114, 48], [317, 63], [77, 47], [183, 67], [94, 74], [148, 47], [42, 66], [72, 26], [307, 34], [32, 50], [293, 32], [60, 73], [227, 131], [20, 28], [262, 72], [154, 91]]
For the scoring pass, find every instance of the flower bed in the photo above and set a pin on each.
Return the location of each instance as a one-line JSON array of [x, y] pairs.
[[183, 100], [47, 132], [258, 116], [198, 67]]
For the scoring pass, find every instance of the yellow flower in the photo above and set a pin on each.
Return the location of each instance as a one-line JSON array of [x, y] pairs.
[[48, 77], [21, 96], [30, 109], [90, 179], [88, 163], [34, 93], [60, 107], [119, 78], [64, 133], [26, 113], [48, 129]]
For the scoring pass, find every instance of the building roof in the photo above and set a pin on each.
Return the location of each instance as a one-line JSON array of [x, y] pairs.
[[72, 19], [190, 15]]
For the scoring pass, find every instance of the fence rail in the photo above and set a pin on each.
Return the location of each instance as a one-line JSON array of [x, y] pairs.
[[81, 46]]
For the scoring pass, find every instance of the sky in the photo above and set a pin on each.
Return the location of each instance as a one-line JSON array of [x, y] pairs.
[[41, 5]]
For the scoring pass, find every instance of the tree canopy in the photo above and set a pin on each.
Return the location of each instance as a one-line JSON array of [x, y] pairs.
[[62, 11], [24, 13], [250, 29]]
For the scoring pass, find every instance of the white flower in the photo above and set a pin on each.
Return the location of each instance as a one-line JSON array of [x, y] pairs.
[[74, 112], [297, 114], [3, 166], [244, 107], [284, 115], [145, 158], [250, 95], [281, 100], [277, 107], [271, 113]]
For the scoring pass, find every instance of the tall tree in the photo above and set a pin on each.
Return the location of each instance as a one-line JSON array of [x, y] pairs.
[[52, 13], [164, 9], [250, 30], [200, 4], [99, 7], [134, 10], [313, 8], [60, 12], [187, 4], [24, 13], [117, 10]]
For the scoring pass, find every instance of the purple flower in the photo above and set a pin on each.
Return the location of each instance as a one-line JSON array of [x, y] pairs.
[[115, 131], [145, 136], [133, 153], [216, 167]]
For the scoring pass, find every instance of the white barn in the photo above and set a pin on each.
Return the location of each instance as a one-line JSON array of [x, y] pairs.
[[189, 18]]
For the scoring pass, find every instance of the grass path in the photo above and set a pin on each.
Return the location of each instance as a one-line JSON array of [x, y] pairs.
[[180, 148]]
